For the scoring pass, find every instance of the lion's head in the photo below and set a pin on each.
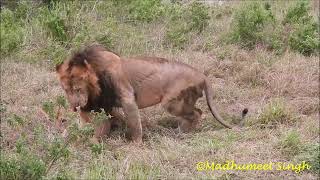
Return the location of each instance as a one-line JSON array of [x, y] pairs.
[[79, 80]]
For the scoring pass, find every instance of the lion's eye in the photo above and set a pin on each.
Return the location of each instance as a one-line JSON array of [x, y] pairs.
[[78, 90]]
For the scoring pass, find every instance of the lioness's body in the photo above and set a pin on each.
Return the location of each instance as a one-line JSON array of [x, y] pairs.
[[96, 78]]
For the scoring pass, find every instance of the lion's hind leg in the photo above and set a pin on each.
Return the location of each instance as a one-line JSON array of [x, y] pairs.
[[183, 106]]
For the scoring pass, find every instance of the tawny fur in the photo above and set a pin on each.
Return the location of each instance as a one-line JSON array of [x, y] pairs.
[[95, 78]]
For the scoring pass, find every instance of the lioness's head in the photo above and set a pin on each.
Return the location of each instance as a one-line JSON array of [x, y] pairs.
[[79, 80]]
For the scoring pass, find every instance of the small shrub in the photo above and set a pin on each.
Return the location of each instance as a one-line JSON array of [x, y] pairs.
[[248, 23], [11, 32], [298, 13], [305, 39], [22, 167], [105, 40], [143, 171], [80, 134], [55, 23], [304, 36], [177, 36], [183, 21], [64, 175], [145, 10], [15, 120], [22, 9], [21, 145], [290, 144], [274, 113], [56, 53], [61, 101], [48, 107], [3, 107], [57, 28], [199, 16], [96, 148], [99, 170], [311, 154], [58, 149]]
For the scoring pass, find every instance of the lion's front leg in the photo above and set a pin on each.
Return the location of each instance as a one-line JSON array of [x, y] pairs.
[[133, 120]]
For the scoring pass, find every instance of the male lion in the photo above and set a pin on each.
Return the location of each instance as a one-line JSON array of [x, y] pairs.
[[96, 78]]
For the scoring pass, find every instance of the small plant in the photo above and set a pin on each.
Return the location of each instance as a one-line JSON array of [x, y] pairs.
[[311, 154], [100, 117], [80, 134], [199, 16], [105, 40], [3, 107], [21, 145], [304, 37], [54, 22], [290, 144], [11, 32], [64, 175], [57, 28], [99, 170], [49, 108], [143, 171], [56, 150], [177, 36], [183, 21], [21, 167], [96, 148], [298, 13], [248, 23], [15, 120], [145, 10], [61, 101], [275, 113]]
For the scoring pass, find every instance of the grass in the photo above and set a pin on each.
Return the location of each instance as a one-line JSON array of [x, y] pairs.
[[274, 73]]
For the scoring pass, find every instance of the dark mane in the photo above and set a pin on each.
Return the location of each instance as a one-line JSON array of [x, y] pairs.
[[107, 98], [90, 54]]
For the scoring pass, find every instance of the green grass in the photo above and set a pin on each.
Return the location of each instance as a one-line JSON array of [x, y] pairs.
[[290, 144], [273, 114], [258, 55]]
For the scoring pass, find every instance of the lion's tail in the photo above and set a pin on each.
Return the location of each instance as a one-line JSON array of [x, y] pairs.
[[209, 97]]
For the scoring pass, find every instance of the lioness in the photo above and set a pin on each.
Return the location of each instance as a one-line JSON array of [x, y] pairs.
[[96, 78]]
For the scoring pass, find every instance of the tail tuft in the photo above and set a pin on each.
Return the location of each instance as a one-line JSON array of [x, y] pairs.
[[244, 112]]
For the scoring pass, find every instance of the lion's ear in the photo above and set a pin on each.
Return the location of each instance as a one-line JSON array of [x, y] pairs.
[[87, 65]]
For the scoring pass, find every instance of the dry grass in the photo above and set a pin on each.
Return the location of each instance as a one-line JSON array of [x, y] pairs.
[[240, 79], [166, 154]]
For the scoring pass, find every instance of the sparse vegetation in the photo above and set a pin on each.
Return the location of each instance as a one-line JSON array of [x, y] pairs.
[[273, 114], [261, 55], [249, 22], [184, 21], [305, 34], [290, 144]]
